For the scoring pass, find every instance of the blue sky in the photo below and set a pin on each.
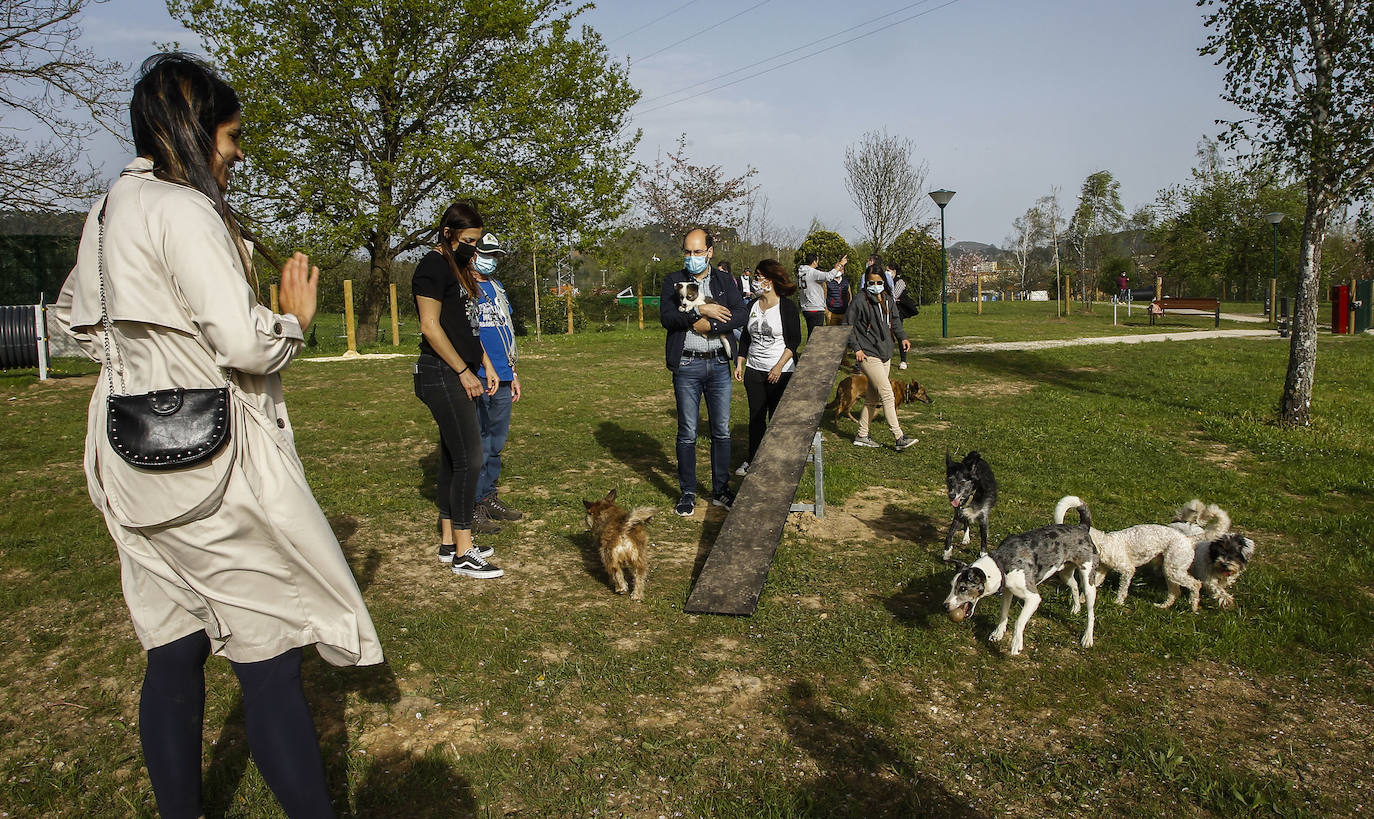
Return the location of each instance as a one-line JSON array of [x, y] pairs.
[[1003, 99]]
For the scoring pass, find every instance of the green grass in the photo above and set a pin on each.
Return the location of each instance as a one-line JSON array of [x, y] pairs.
[[848, 693]]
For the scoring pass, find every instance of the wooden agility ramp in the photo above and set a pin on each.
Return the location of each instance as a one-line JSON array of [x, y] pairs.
[[732, 578]]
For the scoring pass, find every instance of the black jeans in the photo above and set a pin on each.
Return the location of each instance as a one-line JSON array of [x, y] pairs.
[[281, 734], [763, 401], [460, 438], [814, 319]]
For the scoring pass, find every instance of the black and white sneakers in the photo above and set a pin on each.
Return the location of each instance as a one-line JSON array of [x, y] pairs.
[[472, 564]]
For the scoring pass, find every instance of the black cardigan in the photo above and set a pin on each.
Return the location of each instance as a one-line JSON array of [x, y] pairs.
[[791, 328]]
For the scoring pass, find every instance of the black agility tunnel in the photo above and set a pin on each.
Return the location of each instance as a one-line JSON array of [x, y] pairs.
[[19, 336]]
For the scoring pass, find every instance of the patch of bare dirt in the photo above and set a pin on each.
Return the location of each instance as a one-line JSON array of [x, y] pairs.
[[876, 513]]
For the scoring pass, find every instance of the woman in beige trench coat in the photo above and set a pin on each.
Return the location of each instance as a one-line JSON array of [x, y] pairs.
[[233, 554]]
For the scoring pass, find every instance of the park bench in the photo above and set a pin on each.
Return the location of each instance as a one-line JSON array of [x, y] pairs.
[[1158, 306], [732, 577]]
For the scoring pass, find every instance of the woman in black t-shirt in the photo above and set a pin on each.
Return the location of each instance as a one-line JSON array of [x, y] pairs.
[[446, 296]]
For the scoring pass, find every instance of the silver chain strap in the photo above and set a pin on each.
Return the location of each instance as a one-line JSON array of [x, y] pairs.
[[104, 311]]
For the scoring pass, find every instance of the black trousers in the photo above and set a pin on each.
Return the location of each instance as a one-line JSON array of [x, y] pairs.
[[460, 438], [763, 401], [814, 319], [281, 734]]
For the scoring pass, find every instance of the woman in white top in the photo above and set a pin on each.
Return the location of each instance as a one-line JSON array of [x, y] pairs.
[[767, 349]]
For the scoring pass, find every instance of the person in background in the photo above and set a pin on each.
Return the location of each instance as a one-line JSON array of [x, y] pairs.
[[494, 408], [698, 349], [906, 306], [813, 286], [746, 284], [446, 296], [768, 349], [1123, 287], [876, 331], [231, 555], [837, 299]]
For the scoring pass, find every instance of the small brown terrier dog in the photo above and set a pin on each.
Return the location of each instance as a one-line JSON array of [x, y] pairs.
[[853, 388], [622, 540]]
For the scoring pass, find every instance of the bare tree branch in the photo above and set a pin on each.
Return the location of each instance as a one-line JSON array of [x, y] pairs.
[[885, 184]]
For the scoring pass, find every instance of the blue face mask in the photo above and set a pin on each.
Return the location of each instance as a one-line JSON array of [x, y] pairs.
[[695, 264], [484, 264], [875, 288]]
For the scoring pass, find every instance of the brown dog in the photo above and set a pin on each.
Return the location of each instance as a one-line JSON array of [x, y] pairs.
[[853, 388], [622, 540]]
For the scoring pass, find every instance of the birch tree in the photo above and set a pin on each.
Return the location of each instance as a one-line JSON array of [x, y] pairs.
[[1099, 211], [1302, 71]]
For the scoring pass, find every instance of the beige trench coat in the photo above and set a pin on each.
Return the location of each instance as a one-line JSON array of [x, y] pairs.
[[236, 545]]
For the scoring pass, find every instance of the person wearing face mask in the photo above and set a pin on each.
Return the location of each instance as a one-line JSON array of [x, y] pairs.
[[493, 409], [906, 308], [768, 349], [698, 349], [877, 331], [447, 296], [813, 283]]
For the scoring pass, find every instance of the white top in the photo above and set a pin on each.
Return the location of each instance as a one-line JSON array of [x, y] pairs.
[[766, 344]]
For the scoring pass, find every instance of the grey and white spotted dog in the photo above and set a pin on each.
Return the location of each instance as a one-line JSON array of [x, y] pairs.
[[1017, 568]]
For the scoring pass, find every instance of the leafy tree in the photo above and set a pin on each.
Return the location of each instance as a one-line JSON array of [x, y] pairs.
[[1027, 231], [43, 72], [366, 118], [1301, 70], [886, 185], [679, 195], [917, 253], [1099, 211]]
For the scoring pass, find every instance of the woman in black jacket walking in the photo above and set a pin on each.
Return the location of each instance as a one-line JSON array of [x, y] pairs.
[[767, 349], [877, 332]]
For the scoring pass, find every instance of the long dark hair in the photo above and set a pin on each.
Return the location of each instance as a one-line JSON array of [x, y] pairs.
[[179, 102], [460, 216], [772, 270]]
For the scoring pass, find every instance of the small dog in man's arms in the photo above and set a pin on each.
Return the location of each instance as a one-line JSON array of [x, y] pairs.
[[1018, 566], [622, 541], [690, 296], [972, 491]]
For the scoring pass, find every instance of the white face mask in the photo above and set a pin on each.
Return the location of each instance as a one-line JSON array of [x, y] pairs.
[[874, 287], [762, 286]]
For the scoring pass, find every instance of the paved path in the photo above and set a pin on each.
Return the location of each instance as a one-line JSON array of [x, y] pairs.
[[1143, 338]]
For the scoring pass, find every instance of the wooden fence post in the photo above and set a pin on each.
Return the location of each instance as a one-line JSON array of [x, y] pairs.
[[570, 306], [395, 320], [640, 293], [348, 317], [272, 296]]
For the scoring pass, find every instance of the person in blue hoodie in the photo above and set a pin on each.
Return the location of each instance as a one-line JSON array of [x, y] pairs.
[[494, 408], [699, 348]]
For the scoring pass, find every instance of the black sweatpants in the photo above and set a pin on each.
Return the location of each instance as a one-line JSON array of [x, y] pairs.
[[763, 401], [460, 437], [281, 734]]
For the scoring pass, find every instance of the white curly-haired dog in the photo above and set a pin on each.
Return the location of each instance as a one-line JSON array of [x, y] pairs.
[[1125, 550]]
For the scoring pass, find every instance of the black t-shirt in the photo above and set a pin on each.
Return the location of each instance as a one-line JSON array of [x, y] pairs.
[[457, 313]]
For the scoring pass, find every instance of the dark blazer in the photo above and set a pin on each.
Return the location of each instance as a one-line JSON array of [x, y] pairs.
[[725, 291], [791, 328]]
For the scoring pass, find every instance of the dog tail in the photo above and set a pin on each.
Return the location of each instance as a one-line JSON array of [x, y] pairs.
[[639, 515], [1218, 522], [1190, 512], [1065, 504]]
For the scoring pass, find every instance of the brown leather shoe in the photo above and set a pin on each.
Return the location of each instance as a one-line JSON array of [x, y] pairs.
[[497, 510]]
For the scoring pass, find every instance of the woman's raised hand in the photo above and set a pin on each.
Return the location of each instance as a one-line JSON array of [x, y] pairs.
[[299, 283]]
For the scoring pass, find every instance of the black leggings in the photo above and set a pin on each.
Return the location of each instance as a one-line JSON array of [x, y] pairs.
[[763, 400], [281, 734], [460, 438]]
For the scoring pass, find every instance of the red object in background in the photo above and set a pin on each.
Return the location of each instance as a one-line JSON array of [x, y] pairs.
[[1340, 309]]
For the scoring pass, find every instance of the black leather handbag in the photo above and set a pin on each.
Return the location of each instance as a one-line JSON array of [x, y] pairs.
[[164, 429]]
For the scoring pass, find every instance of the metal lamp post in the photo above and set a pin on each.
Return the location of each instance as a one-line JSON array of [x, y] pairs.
[[1274, 219], [942, 198]]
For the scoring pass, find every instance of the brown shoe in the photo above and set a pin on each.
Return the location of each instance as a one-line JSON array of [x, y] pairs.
[[481, 522], [497, 510]]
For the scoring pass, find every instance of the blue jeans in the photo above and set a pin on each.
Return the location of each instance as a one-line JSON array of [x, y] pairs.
[[493, 416], [694, 378]]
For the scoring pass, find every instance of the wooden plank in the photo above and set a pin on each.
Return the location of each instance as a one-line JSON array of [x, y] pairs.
[[732, 578]]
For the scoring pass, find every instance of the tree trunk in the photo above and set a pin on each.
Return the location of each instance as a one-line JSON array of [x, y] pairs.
[[376, 294], [1295, 408]]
